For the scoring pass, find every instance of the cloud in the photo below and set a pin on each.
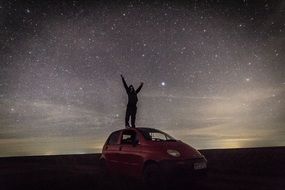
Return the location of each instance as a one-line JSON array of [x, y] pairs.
[[239, 119], [43, 118]]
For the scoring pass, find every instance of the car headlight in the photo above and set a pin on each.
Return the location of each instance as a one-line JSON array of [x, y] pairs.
[[174, 153]]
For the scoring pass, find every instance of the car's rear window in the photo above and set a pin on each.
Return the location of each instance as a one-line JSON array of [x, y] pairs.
[[114, 137]]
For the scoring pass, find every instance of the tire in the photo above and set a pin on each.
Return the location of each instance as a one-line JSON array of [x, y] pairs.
[[152, 177]]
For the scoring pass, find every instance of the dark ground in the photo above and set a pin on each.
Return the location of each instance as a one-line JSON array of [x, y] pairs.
[[234, 169]]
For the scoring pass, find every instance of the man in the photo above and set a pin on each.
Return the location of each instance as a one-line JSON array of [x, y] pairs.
[[132, 103]]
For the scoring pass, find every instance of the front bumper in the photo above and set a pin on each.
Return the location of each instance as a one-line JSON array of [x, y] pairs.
[[191, 167]]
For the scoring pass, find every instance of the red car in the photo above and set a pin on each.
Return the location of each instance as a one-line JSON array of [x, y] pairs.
[[149, 154]]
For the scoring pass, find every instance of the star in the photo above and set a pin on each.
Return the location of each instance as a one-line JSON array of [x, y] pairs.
[[61, 67]]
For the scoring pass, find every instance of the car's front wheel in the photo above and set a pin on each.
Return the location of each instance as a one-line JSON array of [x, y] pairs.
[[153, 178]]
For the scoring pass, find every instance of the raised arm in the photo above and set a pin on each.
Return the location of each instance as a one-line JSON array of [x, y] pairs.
[[139, 88], [125, 84]]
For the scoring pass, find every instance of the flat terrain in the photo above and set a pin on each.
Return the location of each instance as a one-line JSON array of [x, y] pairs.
[[234, 169]]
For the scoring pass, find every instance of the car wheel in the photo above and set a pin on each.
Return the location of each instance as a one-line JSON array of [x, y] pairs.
[[152, 176]]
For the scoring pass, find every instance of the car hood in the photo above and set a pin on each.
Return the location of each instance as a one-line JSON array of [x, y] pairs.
[[186, 151]]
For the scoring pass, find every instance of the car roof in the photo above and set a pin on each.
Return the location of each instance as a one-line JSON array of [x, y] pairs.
[[138, 129], [135, 129]]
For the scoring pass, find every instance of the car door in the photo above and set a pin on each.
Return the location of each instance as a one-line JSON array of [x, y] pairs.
[[130, 154], [111, 151]]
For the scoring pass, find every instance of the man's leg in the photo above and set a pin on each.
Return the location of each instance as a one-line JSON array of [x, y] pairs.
[[133, 117], [127, 117]]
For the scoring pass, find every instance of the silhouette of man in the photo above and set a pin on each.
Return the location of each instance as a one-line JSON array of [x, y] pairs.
[[132, 103]]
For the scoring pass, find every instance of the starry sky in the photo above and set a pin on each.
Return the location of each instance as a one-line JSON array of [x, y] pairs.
[[213, 72]]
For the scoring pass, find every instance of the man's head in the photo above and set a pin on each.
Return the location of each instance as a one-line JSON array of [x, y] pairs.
[[131, 88]]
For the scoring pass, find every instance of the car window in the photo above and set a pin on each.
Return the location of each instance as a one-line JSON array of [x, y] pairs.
[[128, 137], [159, 136], [114, 137], [155, 135]]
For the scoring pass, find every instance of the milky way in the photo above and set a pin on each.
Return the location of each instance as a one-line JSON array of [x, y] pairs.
[[214, 72]]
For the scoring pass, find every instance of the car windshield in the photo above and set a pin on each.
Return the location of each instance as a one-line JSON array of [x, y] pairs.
[[155, 135]]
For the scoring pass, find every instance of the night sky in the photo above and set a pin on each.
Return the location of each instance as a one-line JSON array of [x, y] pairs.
[[213, 72]]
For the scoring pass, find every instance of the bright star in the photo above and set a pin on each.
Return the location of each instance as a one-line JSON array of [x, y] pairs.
[[163, 83]]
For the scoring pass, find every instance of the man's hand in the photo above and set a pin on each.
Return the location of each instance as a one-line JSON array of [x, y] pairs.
[[141, 83]]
